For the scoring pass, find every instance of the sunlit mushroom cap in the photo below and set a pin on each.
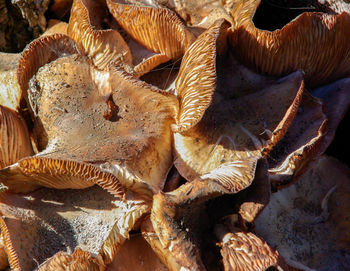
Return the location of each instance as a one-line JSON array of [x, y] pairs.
[[101, 46], [40, 224], [10, 92], [319, 44], [157, 29], [92, 125], [135, 255], [237, 129]]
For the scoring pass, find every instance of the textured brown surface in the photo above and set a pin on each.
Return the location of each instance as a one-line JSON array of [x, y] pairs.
[[101, 46], [317, 43]]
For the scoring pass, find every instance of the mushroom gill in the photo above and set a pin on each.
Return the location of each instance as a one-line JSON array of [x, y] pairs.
[[14, 137], [157, 29], [222, 159], [244, 251], [314, 42], [38, 225], [101, 46]]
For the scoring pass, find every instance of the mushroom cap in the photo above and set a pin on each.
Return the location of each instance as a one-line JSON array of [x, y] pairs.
[[134, 255], [79, 260], [38, 225], [163, 253], [10, 92], [101, 46], [311, 132], [272, 52], [89, 121], [237, 128], [308, 221]]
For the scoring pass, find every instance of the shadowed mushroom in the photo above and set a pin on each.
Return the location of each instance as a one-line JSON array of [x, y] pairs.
[[136, 255], [319, 44], [38, 225], [310, 134], [101, 46], [308, 222], [157, 29]]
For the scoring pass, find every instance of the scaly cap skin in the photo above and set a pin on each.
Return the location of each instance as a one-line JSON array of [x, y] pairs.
[[320, 45], [101, 46]]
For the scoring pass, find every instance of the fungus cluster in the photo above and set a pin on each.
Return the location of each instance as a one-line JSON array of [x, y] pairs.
[[175, 135]]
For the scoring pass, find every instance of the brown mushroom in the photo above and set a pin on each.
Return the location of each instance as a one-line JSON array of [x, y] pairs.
[[230, 148], [310, 134], [101, 46], [135, 255], [157, 29], [10, 92], [314, 39], [244, 251], [38, 225]]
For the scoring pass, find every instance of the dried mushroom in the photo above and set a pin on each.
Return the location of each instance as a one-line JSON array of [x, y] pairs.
[[101, 46], [142, 120], [323, 55]]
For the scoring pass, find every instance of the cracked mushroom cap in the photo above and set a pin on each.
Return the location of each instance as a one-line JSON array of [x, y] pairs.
[[308, 222], [95, 127], [101, 46], [320, 45], [52, 224]]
